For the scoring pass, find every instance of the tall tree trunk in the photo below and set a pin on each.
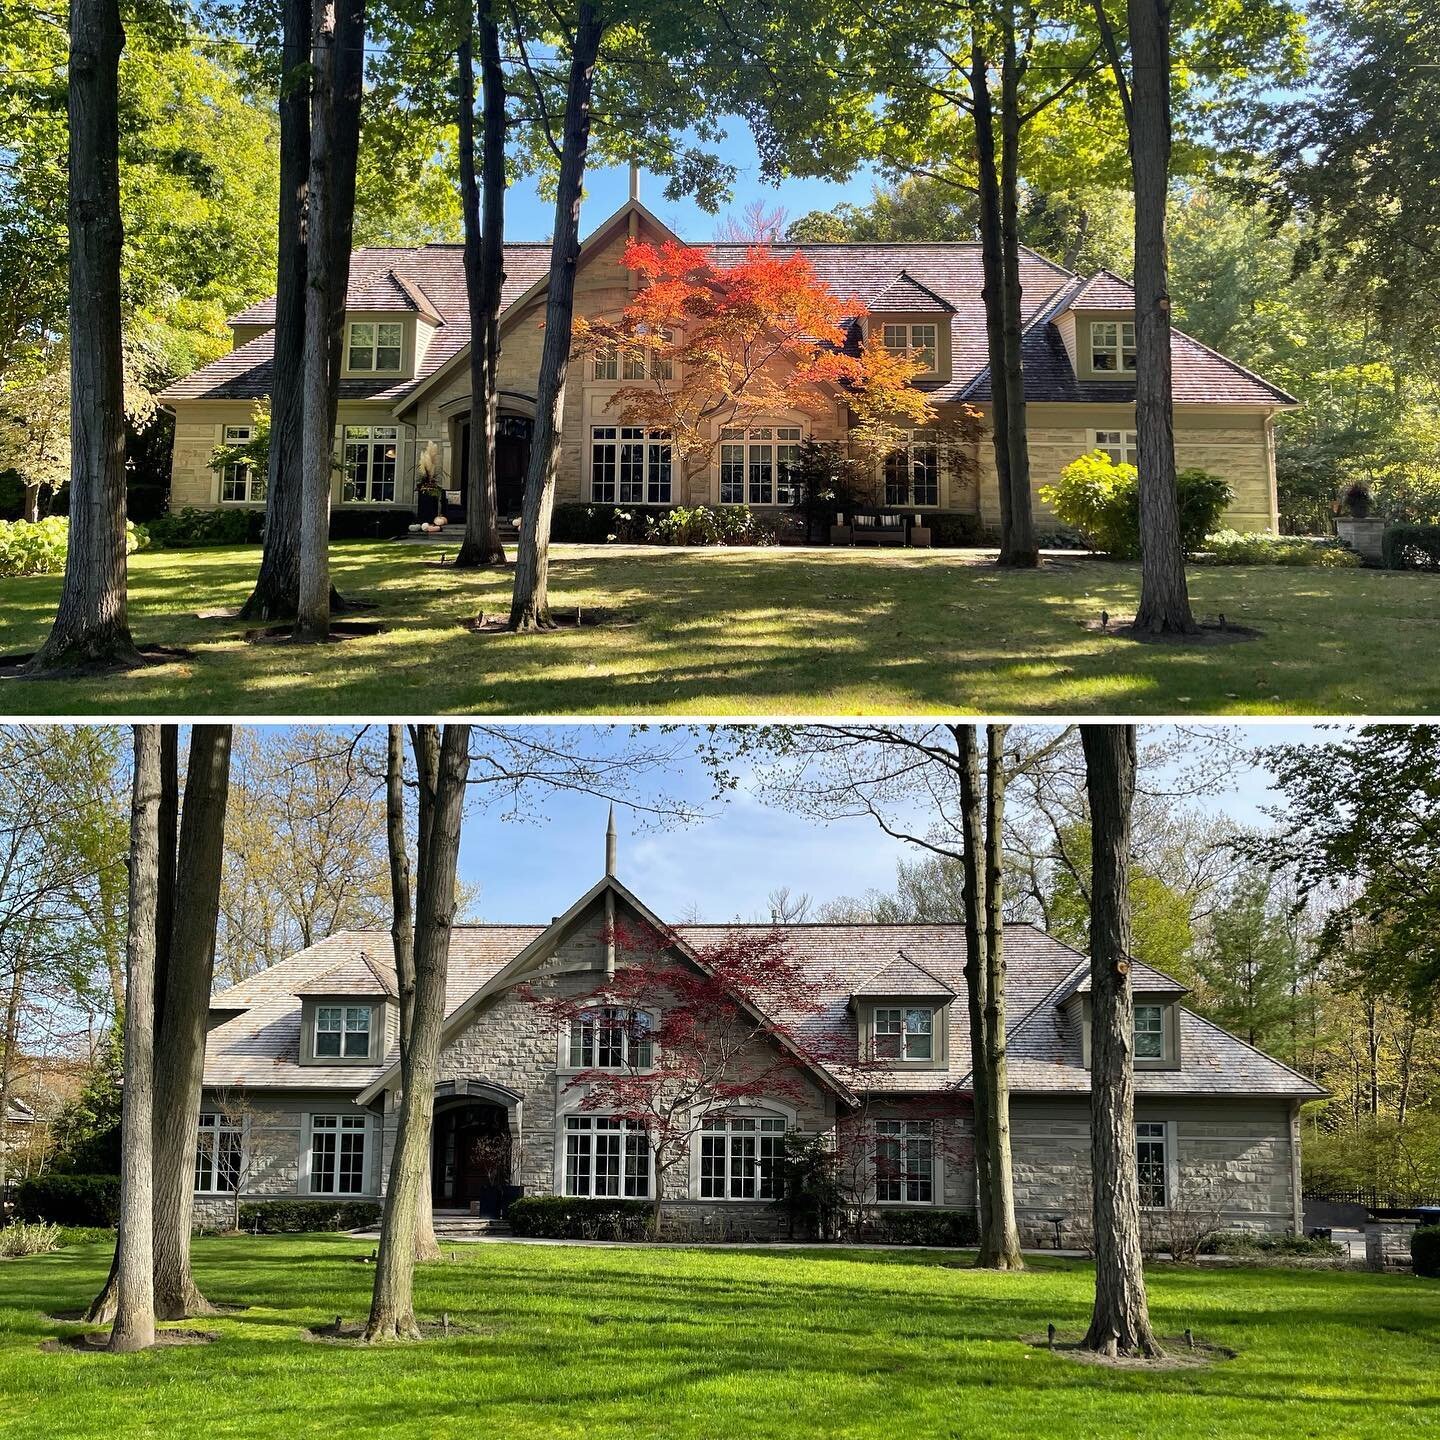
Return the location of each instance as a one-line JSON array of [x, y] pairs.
[[134, 1327], [10, 1040], [530, 602], [1120, 1322], [484, 279], [392, 1308], [180, 1050], [1003, 1251], [91, 629]]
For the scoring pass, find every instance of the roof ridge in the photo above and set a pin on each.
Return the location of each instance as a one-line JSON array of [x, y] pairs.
[[1034, 1010]]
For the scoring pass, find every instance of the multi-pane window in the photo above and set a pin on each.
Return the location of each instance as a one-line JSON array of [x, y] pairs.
[[239, 484], [757, 466], [610, 1039], [904, 1033], [740, 1157], [337, 1154], [342, 1030], [218, 1154], [633, 363], [904, 1161], [915, 338], [1151, 1166], [1149, 1032], [375, 345], [1119, 445], [912, 473], [630, 466], [607, 363], [1112, 345], [371, 452], [606, 1155]]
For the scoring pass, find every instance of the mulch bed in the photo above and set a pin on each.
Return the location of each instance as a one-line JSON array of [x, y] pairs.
[[1180, 1353], [1208, 632], [349, 1333], [11, 665], [96, 1342], [576, 619], [339, 630]]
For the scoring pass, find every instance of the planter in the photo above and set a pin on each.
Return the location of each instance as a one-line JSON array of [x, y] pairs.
[[920, 536], [840, 535], [1362, 536], [427, 506]]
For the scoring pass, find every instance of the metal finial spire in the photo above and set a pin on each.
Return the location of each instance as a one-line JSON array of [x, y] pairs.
[[611, 841]]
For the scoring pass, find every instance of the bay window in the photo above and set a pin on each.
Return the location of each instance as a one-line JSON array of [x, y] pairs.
[[610, 1039], [630, 466], [912, 472], [343, 1030], [239, 484], [375, 345], [917, 339], [1112, 345], [740, 1157], [1152, 1165], [904, 1162], [757, 466], [1119, 445], [219, 1149], [904, 1033], [337, 1154], [371, 453], [605, 1156]]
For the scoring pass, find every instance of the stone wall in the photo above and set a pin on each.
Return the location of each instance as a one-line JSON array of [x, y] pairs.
[[1387, 1244]]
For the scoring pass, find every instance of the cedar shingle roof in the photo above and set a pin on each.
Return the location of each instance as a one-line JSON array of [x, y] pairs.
[[907, 295], [902, 977], [359, 975]]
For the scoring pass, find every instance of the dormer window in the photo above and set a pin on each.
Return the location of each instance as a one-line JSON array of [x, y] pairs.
[[376, 345], [1149, 1032], [342, 1031], [906, 1033], [610, 1039], [1112, 345], [920, 339]]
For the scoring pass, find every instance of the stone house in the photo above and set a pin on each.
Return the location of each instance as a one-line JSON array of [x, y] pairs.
[[405, 387], [301, 1079]]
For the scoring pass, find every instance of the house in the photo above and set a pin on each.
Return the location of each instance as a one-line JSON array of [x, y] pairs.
[[301, 1079], [405, 386]]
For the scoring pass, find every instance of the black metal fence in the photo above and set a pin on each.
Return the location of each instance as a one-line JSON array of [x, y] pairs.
[[1374, 1199]]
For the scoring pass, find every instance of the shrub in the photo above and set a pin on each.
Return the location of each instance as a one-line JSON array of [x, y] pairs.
[[69, 1199], [918, 1227], [37, 549], [582, 524], [1241, 1243], [29, 1238], [1234, 547], [296, 1217], [1424, 1251], [86, 1235], [562, 1217], [1411, 547], [190, 529], [953, 531], [1355, 500]]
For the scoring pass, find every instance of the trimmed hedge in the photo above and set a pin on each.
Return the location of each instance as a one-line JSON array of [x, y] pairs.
[[297, 1217], [949, 531], [1425, 1251], [919, 1227], [563, 1217], [69, 1199], [1243, 1242], [1411, 547], [1235, 547], [191, 529], [582, 524]]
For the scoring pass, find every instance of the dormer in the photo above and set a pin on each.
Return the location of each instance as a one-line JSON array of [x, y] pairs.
[[390, 323], [1157, 1017], [347, 1015], [1097, 328], [902, 1015], [908, 316]]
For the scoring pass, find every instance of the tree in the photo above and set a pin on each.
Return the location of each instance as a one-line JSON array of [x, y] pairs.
[[1120, 1322]]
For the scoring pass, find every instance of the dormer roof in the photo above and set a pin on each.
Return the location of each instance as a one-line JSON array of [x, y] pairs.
[[1104, 290], [901, 978], [358, 975], [905, 295]]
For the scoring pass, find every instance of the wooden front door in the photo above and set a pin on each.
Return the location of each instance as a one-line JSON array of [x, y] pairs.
[[512, 459], [472, 1158]]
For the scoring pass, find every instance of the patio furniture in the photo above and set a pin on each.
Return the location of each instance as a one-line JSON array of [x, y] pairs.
[[879, 530], [1057, 1221]]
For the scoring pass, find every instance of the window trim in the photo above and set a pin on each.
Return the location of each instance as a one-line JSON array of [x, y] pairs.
[[374, 347], [923, 439], [627, 1037], [364, 436], [1116, 348], [763, 435], [904, 1032], [1150, 1132], [655, 473], [625, 1129], [912, 343], [721, 1121], [220, 1124], [904, 1137], [239, 435], [345, 1030], [1158, 1032], [1126, 443], [351, 1124]]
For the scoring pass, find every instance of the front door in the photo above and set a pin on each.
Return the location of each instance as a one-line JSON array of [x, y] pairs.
[[472, 1158], [512, 459]]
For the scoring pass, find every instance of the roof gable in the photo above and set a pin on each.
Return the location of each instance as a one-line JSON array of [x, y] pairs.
[[357, 976], [901, 977], [906, 295]]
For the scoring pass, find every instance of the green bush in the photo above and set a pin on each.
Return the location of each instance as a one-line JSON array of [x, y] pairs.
[[87, 1235], [29, 1238], [39, 549], [297, 1217], [1100, 501], [953, 531], [1411, 547], [582, 524], [190, 529], [562, 1217], [1241, 1243], [1425, 1251], [918, 1227], [69, 1199], [1235, 547]]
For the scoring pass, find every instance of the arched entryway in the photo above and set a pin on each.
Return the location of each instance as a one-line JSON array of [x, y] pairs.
[[473, 1156], [512, 459]]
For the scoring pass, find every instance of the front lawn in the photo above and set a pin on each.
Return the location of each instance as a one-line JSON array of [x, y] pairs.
[[566, 1341], [761, 632]]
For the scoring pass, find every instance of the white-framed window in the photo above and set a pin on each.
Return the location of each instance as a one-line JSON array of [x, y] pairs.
[[337, 1154], [630, 466], [1149, 1032], [610, 1039], [904, 1162], [912, 472], [239, 484], [371, 453], [375, 345], [913, 336], [632, 363], [343, 1030], [1112, 345], [219, 1152], [904, 1032], [757, 466], [606, 363], [1152, 1165], [740, 1157], [606, 1155], [1120, 445]]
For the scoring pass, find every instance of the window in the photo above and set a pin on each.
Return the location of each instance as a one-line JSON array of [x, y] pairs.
[[218, 1152], [1112, 345], [756, 465], [912, 473], [370, 455], [1119, 445], [904, 1034], [1149, 1032], [605, 1155], [1151, 1166], [917, 338], [239, 484], [740, 1157], [607, 363], [337, 1154], [343, 1030], [375, 345], [610, 1039], [629, 466], [630, 364], [904, 1161]]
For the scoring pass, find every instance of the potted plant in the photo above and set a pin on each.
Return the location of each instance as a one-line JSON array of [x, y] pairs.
[[429, 484], [1356, 526]]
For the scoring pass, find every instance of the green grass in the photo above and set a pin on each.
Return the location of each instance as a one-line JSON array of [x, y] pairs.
[[692, 1345], [761, 632]]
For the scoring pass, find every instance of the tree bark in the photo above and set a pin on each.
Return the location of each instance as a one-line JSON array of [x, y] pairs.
[[392, 1308], [134, 1327], [91, 629], [530, 602], [1120, 1322], [484, 279]]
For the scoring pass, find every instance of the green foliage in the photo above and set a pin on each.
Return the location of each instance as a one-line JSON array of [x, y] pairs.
[[563, 1217], [1411, 547], [812, 1195], [191, 529], [29, 1238], [254, 452], [39, 548], [1243, 1243], [1236, 547], [1424, 1251], [1376, 1152], [87, 1130], [680, 525], [917, 1227], [295, 1217], [69, 1199]]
